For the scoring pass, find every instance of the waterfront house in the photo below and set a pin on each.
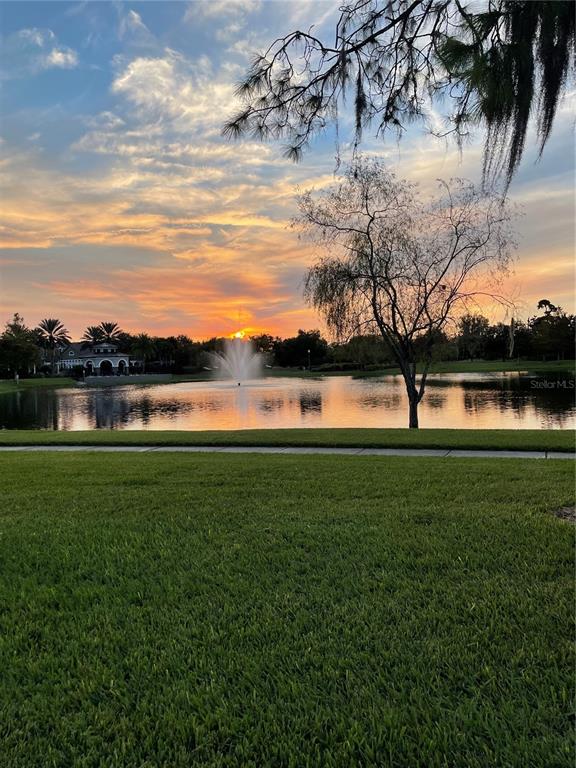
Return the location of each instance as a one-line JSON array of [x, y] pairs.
[[101, 359]]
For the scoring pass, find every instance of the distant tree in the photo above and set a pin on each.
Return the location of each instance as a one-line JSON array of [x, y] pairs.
[[111, 332], [144, 348], [441, 347], [308, 347], [54, 336], [547, 306], [19, 351], [500, 341], [495, 62], [472, 336], [398, 265], [264, 342], [17, 327], [92, 335], [523, 340], [553, 332], [363, 350], [124, 341], [187, 353], [166, 349]]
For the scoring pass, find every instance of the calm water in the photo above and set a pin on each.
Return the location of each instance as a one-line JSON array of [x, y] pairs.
[[465, 401]]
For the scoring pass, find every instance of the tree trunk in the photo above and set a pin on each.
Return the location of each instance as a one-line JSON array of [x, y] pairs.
[[409, 375], [413, 419]]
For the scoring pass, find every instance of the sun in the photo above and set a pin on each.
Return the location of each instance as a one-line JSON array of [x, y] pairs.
[[238, 335]]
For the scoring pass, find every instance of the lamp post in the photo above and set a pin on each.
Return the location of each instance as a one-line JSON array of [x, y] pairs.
[[309, 363]]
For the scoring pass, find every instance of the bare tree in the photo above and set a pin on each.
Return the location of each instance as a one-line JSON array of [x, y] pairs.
[[401, 266], [497, 62]]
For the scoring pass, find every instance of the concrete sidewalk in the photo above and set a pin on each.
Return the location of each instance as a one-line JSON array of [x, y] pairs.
[[301, 451]]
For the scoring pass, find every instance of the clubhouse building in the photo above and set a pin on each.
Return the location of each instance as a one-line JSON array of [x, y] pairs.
[[102, 359]]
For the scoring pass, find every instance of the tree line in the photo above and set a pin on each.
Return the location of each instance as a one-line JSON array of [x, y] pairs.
[[549, 335]]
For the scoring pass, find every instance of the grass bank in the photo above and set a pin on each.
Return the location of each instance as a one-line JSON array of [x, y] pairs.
[[454, 366], [265, 611], [56, 382], [493, 439]]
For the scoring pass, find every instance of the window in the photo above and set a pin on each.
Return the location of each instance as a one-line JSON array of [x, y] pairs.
[[71, 353]]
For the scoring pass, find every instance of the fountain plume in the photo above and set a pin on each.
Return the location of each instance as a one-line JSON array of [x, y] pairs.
[[238, 361]]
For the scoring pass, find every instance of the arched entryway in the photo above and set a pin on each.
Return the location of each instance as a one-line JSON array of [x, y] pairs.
[[106, 368], [122, 367], [89, 368]]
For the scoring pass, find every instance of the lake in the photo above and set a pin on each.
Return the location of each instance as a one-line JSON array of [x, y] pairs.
[[457, 400]]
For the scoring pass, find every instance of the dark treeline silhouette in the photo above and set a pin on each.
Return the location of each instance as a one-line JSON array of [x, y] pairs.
[[549, 335]]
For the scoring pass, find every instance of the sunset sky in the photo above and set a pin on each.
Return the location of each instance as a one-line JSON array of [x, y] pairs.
[[121, 201]]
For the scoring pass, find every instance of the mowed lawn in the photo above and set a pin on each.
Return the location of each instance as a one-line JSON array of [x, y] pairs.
[[249, 610]]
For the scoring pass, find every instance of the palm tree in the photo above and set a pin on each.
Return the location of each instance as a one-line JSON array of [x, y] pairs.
[[110, 332], [92, 335], [144, 348], [53, 335]]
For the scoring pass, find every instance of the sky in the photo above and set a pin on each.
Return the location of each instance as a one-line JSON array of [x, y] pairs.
[[121, 201]]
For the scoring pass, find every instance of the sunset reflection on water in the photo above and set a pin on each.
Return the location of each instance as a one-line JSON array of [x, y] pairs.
[[463, 401]]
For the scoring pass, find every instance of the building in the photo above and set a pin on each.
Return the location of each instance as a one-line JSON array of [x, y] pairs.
[[102, 359]]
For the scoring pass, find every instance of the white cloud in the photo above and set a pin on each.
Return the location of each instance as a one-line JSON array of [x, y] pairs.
[[173, 89], [312, 13], [131, 29], [105, 120], [64, 58], [33, 50], [36, 37], [227, 18], [215, 8]]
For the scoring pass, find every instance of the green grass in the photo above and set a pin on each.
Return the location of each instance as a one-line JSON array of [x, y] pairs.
[[251, 611], [57, 382], [493, 366], [489, 439]]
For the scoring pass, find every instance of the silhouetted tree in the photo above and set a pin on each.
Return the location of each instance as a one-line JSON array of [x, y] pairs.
[[18, 347], [472, 336], [547, 306], [496, 63], [111, 332], [92, 335], [53, 335], [308, 347], [398, 265], [553, 332], [144, 348], [363, 350], [264, 342]]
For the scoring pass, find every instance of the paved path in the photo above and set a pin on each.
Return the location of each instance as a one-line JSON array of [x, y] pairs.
[[295, 451]]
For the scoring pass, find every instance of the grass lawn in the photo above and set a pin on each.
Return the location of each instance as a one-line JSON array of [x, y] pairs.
[[488, 366], [243, 610], [494, 439], [9, 385]]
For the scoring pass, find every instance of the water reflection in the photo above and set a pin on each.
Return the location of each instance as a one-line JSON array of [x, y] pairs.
[[470, 401], [270, 404], [310, 402]]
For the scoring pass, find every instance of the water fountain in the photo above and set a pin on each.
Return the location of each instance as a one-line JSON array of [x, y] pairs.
[[238, 361]]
